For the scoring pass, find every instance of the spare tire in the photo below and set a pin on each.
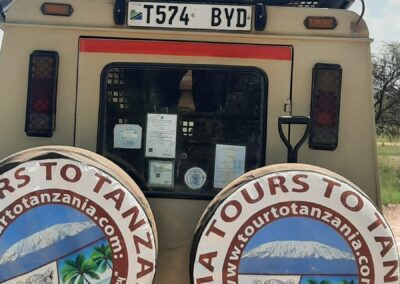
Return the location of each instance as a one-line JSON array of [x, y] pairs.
[[68, 215], [293, 223]]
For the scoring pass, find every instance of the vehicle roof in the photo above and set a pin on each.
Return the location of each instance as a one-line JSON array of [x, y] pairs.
[[337, 4]]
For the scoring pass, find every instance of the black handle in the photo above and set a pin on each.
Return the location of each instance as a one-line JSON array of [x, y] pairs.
[[295, 120]]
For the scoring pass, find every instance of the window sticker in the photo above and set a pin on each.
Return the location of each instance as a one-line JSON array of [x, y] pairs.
[[128, 136], [195, 178], [161, 135], [161, 173], [229, 163]]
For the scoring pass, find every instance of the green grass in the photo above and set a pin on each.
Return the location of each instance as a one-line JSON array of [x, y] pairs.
[[386, 139], [393, 150], [389, 171]]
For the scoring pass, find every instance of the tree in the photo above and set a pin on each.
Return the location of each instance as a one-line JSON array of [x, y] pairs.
[[76, 271], [102, 257], [386, 78]]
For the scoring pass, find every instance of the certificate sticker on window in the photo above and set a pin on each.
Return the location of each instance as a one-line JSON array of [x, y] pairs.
[[229, 163], [161, 173], [161, 135], [127, 136], [195, 178]]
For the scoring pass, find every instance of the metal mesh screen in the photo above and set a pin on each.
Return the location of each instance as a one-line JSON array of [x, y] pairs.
[[211, 107], [304, 3], [336, 4]]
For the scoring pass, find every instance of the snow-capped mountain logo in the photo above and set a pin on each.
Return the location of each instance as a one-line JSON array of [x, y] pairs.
[[297, 257], [298, 249], [44, 239], [62, 217]]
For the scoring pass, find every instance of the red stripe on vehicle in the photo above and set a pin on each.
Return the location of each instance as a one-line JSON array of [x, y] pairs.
[[186, 49]]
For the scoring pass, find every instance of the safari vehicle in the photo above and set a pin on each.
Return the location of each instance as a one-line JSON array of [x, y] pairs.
[[186, 96]]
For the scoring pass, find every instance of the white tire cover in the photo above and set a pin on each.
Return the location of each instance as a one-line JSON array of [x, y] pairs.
[[293, 223], [68, 215]]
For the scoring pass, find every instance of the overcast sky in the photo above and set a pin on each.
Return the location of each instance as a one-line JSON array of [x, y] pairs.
[[383, 19]]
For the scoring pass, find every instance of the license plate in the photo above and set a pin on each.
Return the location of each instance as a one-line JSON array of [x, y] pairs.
[[190, 16]]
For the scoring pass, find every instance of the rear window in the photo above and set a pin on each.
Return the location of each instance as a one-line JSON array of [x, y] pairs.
[[183, 131]]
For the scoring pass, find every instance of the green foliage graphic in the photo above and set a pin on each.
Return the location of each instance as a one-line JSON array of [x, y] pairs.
[[79, 270], [313, 281], [102, 257]]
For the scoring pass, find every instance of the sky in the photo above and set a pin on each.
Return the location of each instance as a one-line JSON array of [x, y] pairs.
[[382, 17]]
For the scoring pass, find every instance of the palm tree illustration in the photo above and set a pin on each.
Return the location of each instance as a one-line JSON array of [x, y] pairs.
[[78, 271], [348, 282], [102, 257], [313, 281]]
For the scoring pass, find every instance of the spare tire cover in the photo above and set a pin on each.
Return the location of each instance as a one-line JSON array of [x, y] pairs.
[[293, 223], [68, 215]]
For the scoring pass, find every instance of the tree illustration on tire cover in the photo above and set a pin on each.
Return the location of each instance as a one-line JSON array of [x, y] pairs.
[[102, 257], [77, 271]]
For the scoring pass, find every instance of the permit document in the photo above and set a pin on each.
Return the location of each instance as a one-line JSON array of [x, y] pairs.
[[229, 163], [161, 135], [161, 173]]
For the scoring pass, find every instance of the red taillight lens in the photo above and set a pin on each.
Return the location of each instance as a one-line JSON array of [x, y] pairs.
[[325, 106], [42, 94]]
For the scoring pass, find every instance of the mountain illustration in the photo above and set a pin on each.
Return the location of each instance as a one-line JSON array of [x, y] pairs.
[[297, 257], [46, 246], [43, 239], [298, 249]]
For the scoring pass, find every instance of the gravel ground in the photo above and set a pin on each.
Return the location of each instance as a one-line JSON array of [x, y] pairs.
[[392, 216]]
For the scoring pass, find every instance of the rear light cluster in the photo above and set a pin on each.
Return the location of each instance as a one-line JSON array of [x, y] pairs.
[[42, 94], [325, 106]]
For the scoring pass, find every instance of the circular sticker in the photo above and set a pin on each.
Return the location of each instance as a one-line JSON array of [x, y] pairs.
[[195, 178], [70, 216], [128, 136], [293, 224]]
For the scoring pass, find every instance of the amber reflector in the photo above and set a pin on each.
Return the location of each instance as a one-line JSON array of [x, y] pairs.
[[320, 23], [56, 9]]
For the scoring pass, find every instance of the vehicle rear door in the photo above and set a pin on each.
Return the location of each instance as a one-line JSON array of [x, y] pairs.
[[183, 118]]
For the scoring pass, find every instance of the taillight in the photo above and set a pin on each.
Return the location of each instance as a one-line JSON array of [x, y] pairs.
[[42, 94], [325, 106]]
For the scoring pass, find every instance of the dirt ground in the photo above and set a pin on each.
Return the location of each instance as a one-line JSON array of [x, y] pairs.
[[392, 216]]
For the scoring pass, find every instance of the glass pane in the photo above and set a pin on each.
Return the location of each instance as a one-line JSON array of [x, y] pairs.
[[183, 131]]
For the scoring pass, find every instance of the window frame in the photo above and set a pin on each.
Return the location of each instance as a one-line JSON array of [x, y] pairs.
[[142, 183]]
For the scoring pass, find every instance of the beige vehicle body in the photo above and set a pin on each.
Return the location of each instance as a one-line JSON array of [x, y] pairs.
[[81, 41]]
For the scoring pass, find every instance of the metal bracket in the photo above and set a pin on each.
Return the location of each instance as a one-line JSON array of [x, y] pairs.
[[119, 12], [260, 19], [2, 14]]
